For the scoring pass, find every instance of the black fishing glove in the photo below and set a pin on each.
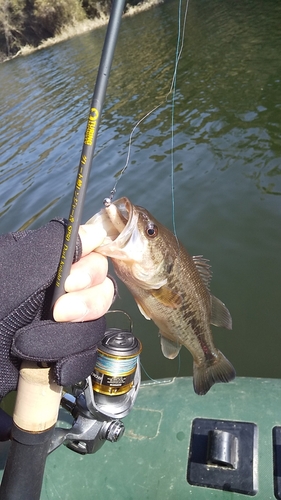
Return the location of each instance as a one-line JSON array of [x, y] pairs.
[[28, 266]]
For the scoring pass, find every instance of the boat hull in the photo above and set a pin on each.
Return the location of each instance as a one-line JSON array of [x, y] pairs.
[[151, 460]]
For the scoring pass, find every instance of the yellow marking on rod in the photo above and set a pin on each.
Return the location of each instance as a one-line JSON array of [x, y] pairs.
[[91, 127], [59, 274], [68, 233]]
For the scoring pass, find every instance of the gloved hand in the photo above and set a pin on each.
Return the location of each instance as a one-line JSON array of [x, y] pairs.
[[28, 266]]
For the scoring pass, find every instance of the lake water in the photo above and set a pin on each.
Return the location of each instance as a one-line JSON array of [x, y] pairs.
[[226, 153]]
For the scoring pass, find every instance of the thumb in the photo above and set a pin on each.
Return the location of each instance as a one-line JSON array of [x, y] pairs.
[[91, 237]]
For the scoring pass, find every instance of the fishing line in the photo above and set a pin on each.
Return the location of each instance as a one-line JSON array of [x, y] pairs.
[[113, 191], [161, 381], [172, 90], [179, 49]]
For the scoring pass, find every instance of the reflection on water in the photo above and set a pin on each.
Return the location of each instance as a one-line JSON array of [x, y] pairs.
[[227, 151]]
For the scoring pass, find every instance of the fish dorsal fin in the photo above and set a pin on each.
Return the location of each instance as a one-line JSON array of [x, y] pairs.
[[169, 348], [204, 269], [220, 315], [167, 297], [142, 310]]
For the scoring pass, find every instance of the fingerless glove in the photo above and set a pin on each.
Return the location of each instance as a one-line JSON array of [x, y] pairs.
[[28, 267]]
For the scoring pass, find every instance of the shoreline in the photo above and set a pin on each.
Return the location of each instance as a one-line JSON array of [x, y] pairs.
[[85, 26]]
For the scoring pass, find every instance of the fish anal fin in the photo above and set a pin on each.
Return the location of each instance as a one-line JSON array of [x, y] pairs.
[[169, 348], [207, 374], [167, 297], [204, 268], [220, 315], [143, 310]]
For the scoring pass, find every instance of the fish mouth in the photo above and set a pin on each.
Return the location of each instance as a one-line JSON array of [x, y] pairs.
[[120, 221]]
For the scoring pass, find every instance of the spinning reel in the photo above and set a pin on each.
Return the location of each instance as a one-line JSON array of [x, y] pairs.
[[98, 403]]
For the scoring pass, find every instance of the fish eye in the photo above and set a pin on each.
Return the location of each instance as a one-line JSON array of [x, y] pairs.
[[151, 230]]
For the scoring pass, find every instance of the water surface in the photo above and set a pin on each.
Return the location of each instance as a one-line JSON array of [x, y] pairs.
[[227, 152]]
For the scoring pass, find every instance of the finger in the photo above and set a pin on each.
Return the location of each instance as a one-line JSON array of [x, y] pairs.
[[91, 237], [85, 305], [88, 271]]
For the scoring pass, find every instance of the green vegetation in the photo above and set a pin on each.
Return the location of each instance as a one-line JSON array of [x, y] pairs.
[[29, 22]]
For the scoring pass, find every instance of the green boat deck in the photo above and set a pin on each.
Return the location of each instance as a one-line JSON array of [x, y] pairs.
[[150, 461]]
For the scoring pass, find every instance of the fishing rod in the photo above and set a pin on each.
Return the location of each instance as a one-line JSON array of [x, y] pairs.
[[38, 399]]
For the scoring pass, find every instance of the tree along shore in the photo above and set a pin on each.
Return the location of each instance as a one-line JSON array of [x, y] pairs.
[[28, 23]]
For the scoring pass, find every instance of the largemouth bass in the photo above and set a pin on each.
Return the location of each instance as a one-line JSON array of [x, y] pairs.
[[169, 286]]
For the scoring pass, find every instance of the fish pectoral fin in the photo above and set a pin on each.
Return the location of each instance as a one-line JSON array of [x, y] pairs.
[[220, 315], [142, 310], [169, 348], [167, 297]]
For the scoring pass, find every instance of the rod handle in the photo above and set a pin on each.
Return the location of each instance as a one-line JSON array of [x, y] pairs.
[[38, 398]]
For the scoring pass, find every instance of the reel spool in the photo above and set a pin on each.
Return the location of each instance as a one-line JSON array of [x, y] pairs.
[[117, 359]]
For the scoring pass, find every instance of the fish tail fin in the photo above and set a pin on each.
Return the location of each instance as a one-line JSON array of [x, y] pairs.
[[219, 369]]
